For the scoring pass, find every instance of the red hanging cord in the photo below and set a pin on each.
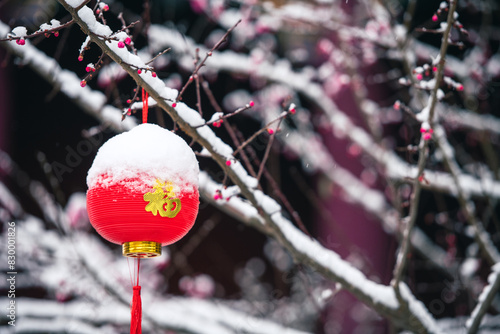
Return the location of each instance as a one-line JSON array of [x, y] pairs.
[[145, 107], [136, 307]]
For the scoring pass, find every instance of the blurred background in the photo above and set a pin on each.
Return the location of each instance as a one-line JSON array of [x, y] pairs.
[[350, 51]]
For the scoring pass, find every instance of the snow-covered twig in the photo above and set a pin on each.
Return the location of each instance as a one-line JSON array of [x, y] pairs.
[[482, 238], [409, 222], [185, 315], [68, 82], [45, 29], [462, 119], [99, 297], [484, 300], [326, 262], [302, 247], [342, 126]]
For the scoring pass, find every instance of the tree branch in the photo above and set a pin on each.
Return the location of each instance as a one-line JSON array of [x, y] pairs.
[[302, 247]]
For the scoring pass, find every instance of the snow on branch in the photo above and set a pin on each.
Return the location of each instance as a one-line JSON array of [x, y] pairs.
[[71, 266], [67, 82], [456, 118], [342, 126], [482, 238], [485, 299], [176, 313], [251, 205], [302, 247], [327, 262], [371, 199], [427, 120]]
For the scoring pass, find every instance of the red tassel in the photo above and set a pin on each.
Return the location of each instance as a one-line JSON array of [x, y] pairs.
[[136, 311]]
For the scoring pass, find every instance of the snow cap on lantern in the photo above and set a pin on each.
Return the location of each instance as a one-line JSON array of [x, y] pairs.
[[143, 190]]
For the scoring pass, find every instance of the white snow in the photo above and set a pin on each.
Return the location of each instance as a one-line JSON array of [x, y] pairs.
[[90, 100], [237, 207], [483, 303], [53, 24], [148, 152], [75, 3], [87, 15], [85, 44], [215, 117], [121, 35], [469, 267], [20, 31], [493, 65], [345, 273], [100, 29], [418, 309]]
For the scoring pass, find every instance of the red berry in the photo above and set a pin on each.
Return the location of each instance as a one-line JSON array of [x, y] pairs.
[[174, 105], [105, 8], [153, 74], [397, 105], [419, 76], [228, 163], [271, 131], [251, 103], [427, 136], [83, 83], [434, 17], [129, 101], [129, 112], [422, 130], [88, 69], [434, 69], [80, 58], [97, 11], [292, 110], [121, 45], [56, 33], [21, 41], [128, 41], [431, 131], [139, 71], [460, 87]]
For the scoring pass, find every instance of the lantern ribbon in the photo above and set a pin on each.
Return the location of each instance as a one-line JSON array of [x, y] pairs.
[[136, 306], [145, 96]]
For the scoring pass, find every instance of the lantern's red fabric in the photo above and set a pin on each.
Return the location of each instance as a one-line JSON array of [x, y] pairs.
[[118, 214]]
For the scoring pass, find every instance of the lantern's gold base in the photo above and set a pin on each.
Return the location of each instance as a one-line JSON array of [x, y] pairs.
[[141, 249]]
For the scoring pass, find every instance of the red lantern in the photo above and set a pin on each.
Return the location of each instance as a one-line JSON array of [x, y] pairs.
[[143, 192]]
